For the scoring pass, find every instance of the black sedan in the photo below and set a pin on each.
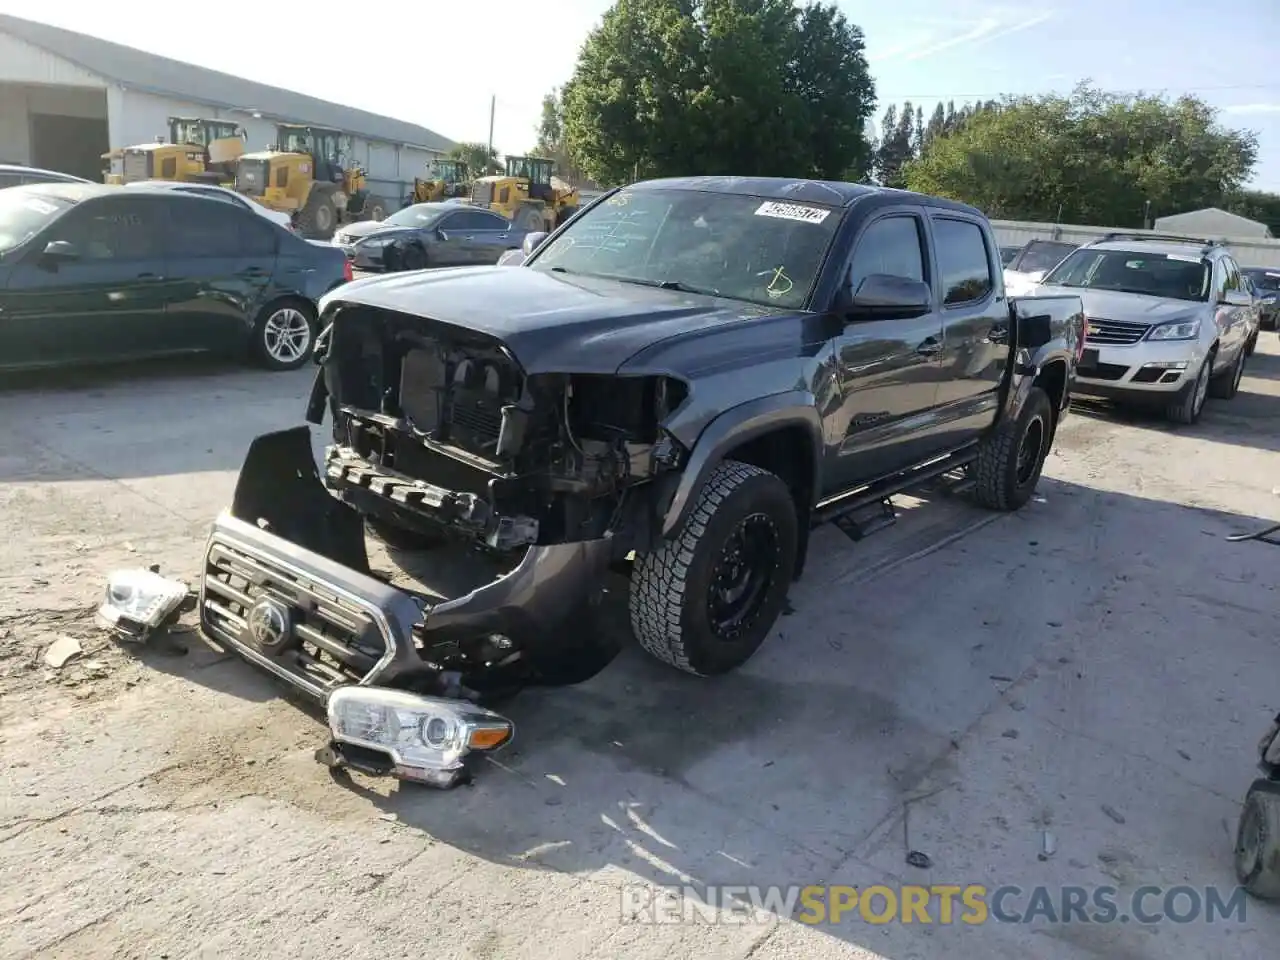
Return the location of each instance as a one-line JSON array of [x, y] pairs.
[[429, 235], [94, 273], [1266, 285]]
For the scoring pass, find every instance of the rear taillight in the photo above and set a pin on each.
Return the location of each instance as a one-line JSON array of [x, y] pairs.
[[347, 275]]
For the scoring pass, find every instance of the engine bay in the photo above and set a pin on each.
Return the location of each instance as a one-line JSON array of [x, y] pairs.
[[452, 409]]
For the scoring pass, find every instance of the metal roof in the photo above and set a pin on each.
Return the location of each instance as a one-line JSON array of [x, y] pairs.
[[151, 73]]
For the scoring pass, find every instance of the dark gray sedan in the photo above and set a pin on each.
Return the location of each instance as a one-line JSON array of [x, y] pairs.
[[429, 235]]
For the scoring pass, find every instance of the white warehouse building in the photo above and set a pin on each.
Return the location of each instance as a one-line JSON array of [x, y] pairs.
[[67, 98]]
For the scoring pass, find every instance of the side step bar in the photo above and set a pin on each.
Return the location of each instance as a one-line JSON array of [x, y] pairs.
[[843, 504]]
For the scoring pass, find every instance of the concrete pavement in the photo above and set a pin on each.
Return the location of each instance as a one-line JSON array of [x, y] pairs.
[[1098, 667]]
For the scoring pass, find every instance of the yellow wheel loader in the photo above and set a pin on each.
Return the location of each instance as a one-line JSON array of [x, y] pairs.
[[304, 175], [446, 179], [197, 151], [529, 194]]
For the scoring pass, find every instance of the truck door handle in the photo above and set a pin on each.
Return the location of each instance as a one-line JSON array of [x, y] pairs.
[[929, 347], [150, 277], [253, 272]]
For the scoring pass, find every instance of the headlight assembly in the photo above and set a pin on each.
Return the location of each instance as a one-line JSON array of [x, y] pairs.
[[414, 737], [139, 602], [1177, 330]]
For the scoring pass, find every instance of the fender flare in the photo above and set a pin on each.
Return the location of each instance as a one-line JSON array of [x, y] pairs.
[[732, 428], [1016, 396]]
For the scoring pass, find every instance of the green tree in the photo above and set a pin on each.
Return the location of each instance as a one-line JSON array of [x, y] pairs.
[[550, 132], [478, 157], [1090, 157], [1257, 205], [897, 145], [750, 87]]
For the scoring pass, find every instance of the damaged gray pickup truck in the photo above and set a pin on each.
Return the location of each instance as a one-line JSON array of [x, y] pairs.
[[678, 384]]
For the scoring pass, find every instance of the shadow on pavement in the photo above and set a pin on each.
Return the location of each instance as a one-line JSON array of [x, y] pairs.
[[865, 698]]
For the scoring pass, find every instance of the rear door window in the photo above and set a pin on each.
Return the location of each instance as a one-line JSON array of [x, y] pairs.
[[963, 261], [200, 228]]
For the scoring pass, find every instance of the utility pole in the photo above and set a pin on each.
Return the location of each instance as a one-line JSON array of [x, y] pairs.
[[493, 103]]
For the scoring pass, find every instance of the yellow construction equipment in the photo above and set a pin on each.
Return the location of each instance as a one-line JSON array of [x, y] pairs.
[[304, 175], [198, 150], [445, 179], [529, 194]]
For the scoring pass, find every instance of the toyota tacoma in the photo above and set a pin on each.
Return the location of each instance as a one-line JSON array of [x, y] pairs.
[[679, 383]]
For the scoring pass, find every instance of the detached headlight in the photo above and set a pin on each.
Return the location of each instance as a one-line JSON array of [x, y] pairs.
[[424, 738], [1178, 330], [138, 602]]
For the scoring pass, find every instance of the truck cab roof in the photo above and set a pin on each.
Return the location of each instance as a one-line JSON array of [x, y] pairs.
[[832, 193]]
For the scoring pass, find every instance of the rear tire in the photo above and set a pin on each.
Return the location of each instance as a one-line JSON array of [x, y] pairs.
[[1012, 456], [284, 336], [319, 217], [1257, 851], [704, 601], [1186, 411]]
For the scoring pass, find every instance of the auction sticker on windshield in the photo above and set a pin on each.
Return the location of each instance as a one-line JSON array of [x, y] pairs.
[[792, 211]]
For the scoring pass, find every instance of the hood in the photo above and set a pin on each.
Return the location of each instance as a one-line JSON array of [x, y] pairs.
[[551, 323], [364, 228], [1134, 307]]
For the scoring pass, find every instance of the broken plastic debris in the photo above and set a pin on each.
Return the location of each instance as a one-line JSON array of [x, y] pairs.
[[62, 651], [1048, 845], [920, 860], [1113, 813]]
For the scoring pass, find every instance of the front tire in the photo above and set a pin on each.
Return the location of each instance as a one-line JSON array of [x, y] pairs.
[[415, 258], [1227, 384], [284, 336], [704, 601], [1012, 456], [319, 218], [1257, 852], [1187, 410]]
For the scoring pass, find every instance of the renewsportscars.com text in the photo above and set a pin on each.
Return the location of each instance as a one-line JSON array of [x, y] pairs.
[[971, 904]]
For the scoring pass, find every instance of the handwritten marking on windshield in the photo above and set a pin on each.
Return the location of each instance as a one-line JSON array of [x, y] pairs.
[[779, 283]]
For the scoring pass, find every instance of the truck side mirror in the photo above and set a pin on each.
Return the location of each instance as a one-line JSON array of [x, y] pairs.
[[61, 250], [881, 296], [532, 240]]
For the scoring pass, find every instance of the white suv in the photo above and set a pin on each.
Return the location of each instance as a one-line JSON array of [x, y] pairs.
[[1169, 321]]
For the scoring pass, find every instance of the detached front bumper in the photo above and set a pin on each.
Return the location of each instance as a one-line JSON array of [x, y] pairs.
[[286, 584]]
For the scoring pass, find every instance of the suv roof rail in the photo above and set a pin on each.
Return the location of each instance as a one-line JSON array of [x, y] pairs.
[[1204, 242]]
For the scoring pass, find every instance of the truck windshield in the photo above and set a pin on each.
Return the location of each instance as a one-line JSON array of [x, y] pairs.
[[1165, 275], [740, 247], [1040, 255], [24, 212]]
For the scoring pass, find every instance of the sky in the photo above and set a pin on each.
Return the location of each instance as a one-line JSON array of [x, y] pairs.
[[397, 59]]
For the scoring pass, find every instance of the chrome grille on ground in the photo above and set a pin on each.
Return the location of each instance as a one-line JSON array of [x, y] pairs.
[[1114, 331], [314, 634]]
